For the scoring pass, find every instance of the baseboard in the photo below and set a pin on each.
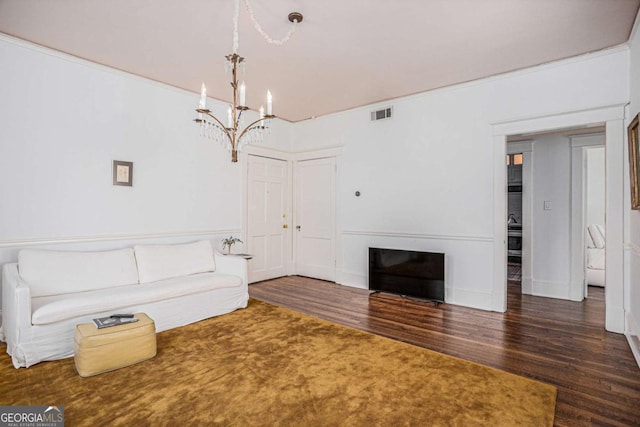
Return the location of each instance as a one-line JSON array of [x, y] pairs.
[[633, 336], [463, 297], [614, 319], [541, 288], [576, 291], [352, 279], [469, 298], [527, 285]]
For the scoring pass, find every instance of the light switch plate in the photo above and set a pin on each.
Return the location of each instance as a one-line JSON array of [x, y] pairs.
[[547, 205]]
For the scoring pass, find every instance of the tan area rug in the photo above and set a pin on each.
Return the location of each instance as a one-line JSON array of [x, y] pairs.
[[271, 366]]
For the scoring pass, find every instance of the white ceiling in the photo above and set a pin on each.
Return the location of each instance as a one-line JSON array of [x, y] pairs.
[[344, 54]]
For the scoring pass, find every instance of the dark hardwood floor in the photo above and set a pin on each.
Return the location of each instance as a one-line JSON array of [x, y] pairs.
[[555, 341]]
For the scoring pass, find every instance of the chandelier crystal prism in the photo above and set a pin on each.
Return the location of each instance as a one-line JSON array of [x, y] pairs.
[[233, 135]]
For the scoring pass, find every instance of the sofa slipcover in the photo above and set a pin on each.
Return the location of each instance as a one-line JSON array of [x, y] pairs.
[[41, 327]]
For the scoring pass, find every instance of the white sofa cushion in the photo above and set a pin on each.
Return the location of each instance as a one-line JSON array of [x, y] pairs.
[[58, 272], [596, 232], [159, 262], [51, 309], [589, 240], [595, 259]]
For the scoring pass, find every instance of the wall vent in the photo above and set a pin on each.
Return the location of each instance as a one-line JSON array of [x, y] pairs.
[[385, 113]]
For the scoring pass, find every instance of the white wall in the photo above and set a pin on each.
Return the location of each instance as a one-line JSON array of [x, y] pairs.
[[632, 256], [595, 186], [551, 229], [62, 123], [426, 176]]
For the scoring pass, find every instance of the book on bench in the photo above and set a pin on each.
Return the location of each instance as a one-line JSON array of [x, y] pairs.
[[107, 322]]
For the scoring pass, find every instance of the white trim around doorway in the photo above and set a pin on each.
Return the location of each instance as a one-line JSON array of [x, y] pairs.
[[291, 159], [579, 144], [526, 148], [613, 118]]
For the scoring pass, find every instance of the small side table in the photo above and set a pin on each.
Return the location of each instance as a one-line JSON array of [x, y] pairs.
[[245, 256]]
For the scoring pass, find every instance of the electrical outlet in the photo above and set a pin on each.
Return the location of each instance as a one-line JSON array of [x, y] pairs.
[[547, 205]]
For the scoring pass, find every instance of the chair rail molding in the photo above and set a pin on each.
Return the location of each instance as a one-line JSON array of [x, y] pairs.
[[632, 248], [38, 241], [412, 235], [318, 154]]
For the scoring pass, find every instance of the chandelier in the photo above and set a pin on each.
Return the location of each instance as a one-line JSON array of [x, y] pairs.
[[233, 134]]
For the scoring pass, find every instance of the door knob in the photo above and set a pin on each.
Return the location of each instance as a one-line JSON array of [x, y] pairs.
[[298, 227], [285, 226]]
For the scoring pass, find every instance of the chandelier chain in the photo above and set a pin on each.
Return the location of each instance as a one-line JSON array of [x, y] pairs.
[[236, 14], [262, 32]]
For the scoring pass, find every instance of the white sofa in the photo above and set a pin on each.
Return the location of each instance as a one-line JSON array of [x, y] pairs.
[[595, 255], [47, 293]]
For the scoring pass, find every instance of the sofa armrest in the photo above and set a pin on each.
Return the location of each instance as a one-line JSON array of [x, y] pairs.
[[16, 306], [232, 265]]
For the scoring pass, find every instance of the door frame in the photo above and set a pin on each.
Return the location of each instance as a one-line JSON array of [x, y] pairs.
[[525, 147], [617, 222], [579, 147], [291, 159]]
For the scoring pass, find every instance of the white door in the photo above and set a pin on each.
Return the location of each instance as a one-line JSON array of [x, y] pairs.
[[267, 223], [315, 218]]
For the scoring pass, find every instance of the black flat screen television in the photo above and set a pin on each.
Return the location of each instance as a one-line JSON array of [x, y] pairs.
[[408, 273]]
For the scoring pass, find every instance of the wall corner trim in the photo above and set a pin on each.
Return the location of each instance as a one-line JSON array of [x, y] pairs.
[[633, 337]]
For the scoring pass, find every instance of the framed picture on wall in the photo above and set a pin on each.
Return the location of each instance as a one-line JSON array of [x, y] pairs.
[[634, 163], [122, 173]]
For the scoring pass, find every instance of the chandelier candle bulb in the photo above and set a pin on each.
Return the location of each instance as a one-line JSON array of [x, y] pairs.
[[243, 94], [203, 97], [234, 136]]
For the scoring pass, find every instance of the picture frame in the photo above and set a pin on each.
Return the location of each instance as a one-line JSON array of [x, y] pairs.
[[123, 173], [634, 162]]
